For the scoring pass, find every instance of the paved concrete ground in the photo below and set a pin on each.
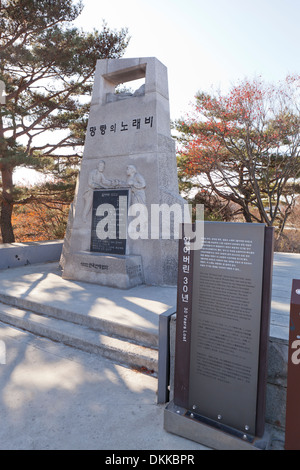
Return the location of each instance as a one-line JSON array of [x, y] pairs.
[[138, 308], [286, 268], [55, 397]]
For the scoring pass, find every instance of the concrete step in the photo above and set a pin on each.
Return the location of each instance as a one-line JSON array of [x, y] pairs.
[[144, 337], [113, 347]]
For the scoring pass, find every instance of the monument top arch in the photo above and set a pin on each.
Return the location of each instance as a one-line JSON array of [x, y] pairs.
[[113, 72]]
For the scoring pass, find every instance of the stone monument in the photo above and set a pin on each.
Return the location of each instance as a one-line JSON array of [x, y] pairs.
[[128, 177]]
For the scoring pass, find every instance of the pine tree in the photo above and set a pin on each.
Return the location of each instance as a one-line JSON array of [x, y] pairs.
[[47, 66]]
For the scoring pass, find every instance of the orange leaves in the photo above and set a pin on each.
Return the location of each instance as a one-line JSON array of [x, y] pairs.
[[243, 102], [245, 123], [37, 222], [245, 147]]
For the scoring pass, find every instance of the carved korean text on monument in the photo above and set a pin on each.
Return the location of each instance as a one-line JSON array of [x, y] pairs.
[[125, 125]]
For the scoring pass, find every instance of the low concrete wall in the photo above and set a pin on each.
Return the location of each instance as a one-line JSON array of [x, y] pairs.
[[276, 382], [13, 255]]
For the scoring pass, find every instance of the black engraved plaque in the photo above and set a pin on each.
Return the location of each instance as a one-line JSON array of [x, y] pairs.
[[109, 221]]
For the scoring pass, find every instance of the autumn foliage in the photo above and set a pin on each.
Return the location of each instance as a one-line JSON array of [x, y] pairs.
[[42, 209], [38, 222], [243, 148]]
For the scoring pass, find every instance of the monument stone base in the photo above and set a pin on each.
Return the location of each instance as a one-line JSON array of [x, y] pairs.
[[182, 422], [122, 271]]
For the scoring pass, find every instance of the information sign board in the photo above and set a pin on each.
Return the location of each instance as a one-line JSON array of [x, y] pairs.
[[222, 325]]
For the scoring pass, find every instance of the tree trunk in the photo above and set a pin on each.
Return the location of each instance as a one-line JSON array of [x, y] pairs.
[[7, 205], [246, 213]]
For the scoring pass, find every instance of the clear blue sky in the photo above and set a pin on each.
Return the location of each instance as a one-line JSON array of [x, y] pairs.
[[205, 43]]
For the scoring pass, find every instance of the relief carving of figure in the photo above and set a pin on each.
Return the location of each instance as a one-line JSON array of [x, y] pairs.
[[97, 180], [137, 184]]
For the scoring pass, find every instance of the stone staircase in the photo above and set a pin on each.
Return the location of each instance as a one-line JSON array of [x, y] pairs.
[[121, 345]]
